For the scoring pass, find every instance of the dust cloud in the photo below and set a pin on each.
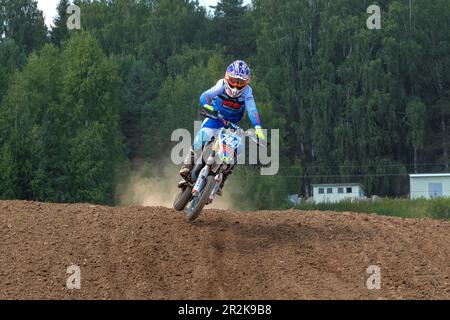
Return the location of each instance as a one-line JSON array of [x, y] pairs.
[[156, 186]]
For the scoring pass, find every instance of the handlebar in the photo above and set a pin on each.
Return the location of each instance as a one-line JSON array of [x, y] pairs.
[[216, 115]]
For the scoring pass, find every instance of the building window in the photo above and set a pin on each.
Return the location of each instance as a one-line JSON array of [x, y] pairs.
[[329, 190], [340, 190], [321, 190], [349, 190], [435, 190]]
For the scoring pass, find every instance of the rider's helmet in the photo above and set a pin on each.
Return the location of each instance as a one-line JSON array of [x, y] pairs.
[[237, 78]]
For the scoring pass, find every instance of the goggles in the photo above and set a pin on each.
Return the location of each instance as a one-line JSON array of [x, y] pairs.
[[237, 83]]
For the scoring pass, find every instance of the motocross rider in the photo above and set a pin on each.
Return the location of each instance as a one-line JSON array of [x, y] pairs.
[[231, 97]]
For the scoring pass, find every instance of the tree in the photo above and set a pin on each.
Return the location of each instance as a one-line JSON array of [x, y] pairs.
[[177, 103], [352, 104], [91, 127], [138, 87], [26, 126], [10, 59], [8, 174], [416, 117], [62, 125], [23, 22], [59, 31], [233, 28]]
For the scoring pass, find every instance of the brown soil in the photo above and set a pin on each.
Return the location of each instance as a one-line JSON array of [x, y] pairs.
[[153, 253]]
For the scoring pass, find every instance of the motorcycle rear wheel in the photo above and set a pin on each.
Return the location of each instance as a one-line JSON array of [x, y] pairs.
[[183, 197]]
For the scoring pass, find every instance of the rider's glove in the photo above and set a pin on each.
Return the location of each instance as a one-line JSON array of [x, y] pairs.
[[259, 133], [209, 107]]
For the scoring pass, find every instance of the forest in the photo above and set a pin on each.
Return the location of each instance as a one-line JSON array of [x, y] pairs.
[[81, 109]]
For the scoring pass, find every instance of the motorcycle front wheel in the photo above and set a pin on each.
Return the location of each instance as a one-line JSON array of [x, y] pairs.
[[199, 201]]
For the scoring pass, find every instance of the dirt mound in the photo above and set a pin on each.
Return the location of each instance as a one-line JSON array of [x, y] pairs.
[[153, 253]]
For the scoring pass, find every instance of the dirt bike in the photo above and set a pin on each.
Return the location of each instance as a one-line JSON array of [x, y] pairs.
[[206, 177]]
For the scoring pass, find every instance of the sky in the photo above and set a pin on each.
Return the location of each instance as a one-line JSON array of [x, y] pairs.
[[49, 7]]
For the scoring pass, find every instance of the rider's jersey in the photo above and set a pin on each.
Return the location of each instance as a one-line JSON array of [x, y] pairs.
[[232, 109]]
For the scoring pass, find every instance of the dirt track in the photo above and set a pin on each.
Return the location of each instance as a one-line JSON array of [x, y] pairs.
[[153, 253]]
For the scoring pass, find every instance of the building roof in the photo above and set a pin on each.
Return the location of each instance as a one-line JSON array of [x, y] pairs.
[[338, 185], [429, 175]]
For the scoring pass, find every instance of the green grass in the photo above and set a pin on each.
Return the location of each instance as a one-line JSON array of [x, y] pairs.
[[405, 208]]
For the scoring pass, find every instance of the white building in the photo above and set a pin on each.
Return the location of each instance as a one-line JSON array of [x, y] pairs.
[[337, 192], [429, 185]]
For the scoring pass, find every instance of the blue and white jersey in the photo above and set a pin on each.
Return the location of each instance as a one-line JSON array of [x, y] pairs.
[[232, 109]]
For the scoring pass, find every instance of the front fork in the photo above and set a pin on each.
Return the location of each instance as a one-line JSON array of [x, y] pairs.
[[218, 180], [201, 181], [211, 166]]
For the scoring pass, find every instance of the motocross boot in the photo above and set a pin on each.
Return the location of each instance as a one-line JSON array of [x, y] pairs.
[[188, 165]]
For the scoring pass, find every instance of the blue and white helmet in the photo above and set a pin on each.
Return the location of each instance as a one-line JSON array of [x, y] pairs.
[[237, 78]]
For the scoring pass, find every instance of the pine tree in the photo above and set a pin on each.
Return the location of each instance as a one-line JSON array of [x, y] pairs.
[[233, 28], [59, 31]]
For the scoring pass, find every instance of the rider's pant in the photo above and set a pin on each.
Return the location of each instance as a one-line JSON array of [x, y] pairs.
[[203, 137]]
